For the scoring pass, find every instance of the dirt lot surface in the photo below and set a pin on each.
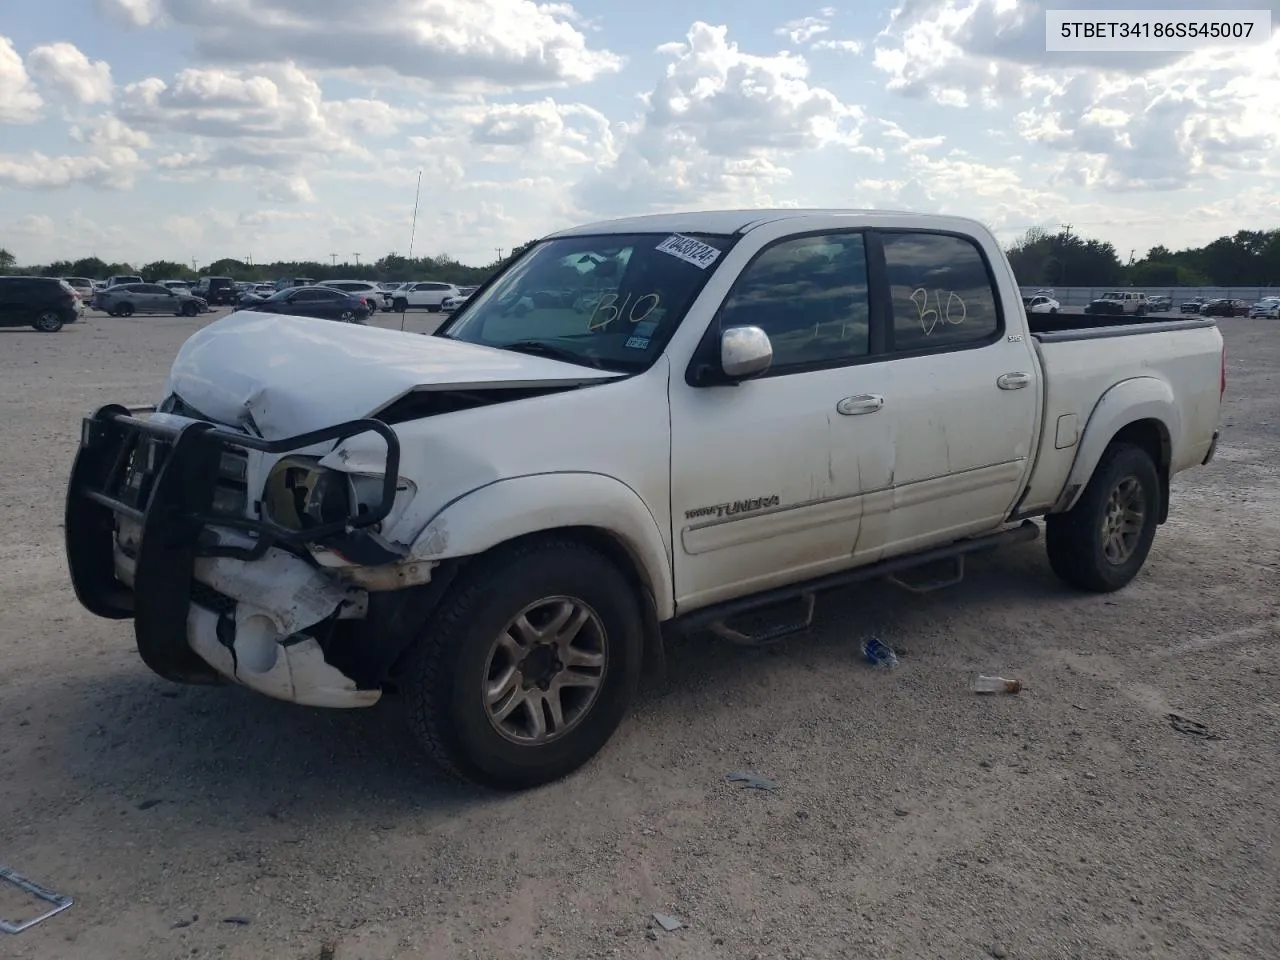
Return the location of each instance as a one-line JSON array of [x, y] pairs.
[[914, 819]]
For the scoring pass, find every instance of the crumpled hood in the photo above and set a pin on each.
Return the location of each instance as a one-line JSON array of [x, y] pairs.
[[290, 375]]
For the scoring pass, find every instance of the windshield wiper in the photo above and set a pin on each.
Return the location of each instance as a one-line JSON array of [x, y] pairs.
[[539, 349]]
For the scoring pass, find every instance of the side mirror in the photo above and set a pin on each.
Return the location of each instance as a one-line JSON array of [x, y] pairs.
[[745, 352]]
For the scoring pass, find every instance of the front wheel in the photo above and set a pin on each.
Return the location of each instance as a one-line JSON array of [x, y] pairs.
[[47, 321], [124, 310], [1101, 543], [190, 309], [399, 304], [527, 668]]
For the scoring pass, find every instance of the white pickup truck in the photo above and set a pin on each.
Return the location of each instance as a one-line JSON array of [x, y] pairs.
[[499, 523]]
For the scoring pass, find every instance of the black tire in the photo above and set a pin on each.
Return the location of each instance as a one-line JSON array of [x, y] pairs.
[[1076, 541], [1142, 311], [443, 675], [124, 310], [1053, 310], [190, 310], [399, 304], [435, 307], [347, 316], [47, 321]]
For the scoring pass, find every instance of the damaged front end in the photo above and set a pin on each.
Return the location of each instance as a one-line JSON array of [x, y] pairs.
[[242, 558]]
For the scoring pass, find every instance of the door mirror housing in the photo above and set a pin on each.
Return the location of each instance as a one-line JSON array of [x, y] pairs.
[[745, 352]]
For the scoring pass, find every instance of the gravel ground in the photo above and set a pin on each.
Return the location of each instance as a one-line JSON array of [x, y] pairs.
[[914, 819]]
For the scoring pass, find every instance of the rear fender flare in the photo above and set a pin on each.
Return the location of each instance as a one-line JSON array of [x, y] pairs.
[[1141, 398], [516, 507]]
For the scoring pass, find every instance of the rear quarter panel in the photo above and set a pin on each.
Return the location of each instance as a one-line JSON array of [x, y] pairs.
[[1180, 371]]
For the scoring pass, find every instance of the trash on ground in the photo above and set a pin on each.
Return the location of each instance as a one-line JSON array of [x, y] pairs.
[[986, 684], [879, 654], [239, 921], [667, 922], [57, 902], [751, 781], [1192, 728]]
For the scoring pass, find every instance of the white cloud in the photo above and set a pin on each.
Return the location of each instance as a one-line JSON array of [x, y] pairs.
[[131, 13], [841, 46], [115, 168], [453, 44], [19, 101], [1121, 122], [717, 127], [64, 69], [804, 29], [285, 189], [109, 131]]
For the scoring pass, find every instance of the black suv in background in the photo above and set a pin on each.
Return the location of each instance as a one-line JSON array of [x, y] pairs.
[[45, 303], [216, 290]]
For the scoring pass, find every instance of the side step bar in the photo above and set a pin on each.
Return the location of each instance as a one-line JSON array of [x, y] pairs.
[[713, 617]]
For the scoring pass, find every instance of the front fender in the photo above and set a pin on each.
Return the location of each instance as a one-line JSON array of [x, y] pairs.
[[507, 509], [1141, 398]]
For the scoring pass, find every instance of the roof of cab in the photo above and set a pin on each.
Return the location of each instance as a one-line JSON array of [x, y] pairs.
[[729, 222]]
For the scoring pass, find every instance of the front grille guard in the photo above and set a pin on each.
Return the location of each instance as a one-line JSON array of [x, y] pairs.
[[115, 436]]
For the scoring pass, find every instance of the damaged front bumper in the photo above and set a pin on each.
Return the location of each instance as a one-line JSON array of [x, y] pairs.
[[215, 594]]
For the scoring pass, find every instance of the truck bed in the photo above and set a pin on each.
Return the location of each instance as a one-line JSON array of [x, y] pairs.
[[1083, 357]]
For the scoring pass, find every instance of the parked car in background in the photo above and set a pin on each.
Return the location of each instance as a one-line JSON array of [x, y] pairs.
[[83, 287], [284, 283], [1193, 305], [44, 303], [1225, 308], [429, 294], [376, 296], [1160, 304], [1041, 304], [323, 303], [1266, 307], [122, 278], [1119, 302], [255, 293], [127, 299], [215, 290]]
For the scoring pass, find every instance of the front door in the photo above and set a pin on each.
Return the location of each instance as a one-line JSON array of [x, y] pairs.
[[768, 477], [962, 398]]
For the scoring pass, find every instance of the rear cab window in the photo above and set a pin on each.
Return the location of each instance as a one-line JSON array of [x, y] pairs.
[[941, 292]]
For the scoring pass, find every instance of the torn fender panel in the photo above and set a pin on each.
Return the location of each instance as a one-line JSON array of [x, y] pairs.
[[293, 594]]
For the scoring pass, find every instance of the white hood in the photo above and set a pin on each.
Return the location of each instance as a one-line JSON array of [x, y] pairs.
[[291, 375]]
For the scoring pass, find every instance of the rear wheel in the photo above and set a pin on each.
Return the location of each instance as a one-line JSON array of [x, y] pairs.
[[1101, 543], [399, 304], [347, 316], [527, 668], [47, 321], [124, 310]]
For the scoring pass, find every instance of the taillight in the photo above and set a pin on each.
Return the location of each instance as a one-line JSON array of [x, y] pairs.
[[1222, 383]]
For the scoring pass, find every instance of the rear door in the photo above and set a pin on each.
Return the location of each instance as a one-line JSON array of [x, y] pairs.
[[961, 395]]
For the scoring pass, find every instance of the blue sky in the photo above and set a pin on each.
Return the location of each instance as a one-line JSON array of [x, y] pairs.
[[145, 129]]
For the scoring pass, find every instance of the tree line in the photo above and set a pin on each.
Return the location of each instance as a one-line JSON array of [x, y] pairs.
[[392, 267], [1249, 258]]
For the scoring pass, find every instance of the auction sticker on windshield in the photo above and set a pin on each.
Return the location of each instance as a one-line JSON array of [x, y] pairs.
[[693, 251]]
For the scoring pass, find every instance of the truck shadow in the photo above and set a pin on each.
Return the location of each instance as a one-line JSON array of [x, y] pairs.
[[225, 754]]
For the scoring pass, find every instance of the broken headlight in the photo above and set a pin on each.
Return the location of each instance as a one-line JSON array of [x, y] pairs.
[[301, 495]]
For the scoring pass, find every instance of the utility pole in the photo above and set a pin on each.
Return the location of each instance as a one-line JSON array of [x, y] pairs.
[[333, 259], [413, 229], [357, 256], [499, 249], [1066, 233]]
